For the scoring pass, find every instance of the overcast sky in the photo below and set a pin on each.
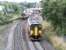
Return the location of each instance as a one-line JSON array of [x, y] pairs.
[[21, 0]]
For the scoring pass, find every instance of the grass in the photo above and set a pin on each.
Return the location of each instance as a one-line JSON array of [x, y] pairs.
[[58, 42], [53, 38]]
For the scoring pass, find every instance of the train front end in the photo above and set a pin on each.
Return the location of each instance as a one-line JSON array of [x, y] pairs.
[[35, 32]]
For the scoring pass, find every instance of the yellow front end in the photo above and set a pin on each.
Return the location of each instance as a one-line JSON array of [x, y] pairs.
[[35, 33]]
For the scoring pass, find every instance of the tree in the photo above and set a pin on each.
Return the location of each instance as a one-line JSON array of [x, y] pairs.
[[54, 11], [10, 10]]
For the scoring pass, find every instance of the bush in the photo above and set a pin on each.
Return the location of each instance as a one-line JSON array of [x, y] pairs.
[[52, 37], [54, 11]]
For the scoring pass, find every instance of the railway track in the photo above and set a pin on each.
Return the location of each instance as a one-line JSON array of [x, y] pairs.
[[21, 41]]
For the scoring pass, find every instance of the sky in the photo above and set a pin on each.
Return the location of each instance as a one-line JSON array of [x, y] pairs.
[[18, 1]]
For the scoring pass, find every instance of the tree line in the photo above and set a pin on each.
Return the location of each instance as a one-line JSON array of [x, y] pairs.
[[55, 12]]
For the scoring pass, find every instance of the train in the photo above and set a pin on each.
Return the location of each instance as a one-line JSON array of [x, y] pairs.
[[35, 26], [35, 32]]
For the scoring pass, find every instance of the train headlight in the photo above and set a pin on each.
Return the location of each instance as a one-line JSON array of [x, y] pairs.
[[40, 31], [31, 32]]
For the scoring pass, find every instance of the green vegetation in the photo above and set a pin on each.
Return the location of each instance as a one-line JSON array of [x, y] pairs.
[[54, 14], [12, 10], [9, 12]]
